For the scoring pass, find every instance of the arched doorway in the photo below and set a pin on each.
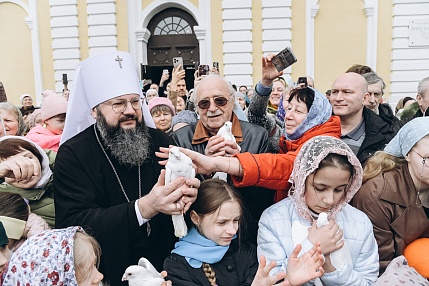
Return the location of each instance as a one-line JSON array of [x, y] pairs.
[[172, 35]]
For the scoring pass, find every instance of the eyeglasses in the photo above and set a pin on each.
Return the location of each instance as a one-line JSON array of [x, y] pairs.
[[424, 158], [219, 101], [120, 105]]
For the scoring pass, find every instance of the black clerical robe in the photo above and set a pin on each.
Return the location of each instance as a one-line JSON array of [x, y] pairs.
[[87, 193]]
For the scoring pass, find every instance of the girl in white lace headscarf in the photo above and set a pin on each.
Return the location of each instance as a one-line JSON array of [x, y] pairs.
[[312, 154], [325, 177]]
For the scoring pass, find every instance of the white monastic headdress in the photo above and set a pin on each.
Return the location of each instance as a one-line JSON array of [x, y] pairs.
[[98, 79]]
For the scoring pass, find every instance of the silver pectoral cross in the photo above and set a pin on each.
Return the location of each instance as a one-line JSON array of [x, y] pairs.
[[119, 60]]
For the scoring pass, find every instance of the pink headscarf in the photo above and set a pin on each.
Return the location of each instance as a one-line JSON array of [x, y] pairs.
[[308, 160]]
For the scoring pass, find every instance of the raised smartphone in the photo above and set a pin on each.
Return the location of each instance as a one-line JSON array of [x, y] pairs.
[[284, 59]]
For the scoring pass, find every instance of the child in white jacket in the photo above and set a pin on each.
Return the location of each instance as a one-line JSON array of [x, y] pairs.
[[325, 177]]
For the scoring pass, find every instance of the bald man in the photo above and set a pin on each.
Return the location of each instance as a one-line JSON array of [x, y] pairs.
[[363, 130]]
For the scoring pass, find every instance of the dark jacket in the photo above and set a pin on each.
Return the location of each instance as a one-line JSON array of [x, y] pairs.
[[419, 113], [389, 200], [255, 199], [377, 134], [237, 268], [27, 110], [386, 113], [87, 193]]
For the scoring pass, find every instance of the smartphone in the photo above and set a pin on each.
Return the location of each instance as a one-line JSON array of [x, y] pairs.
[[178, 61], [284, 59], [216, 66], [302, 79], [146, 72], [147, 81], [165, 71], [203, 70], [65, 81]]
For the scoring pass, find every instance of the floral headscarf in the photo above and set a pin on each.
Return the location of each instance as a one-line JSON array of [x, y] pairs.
[[320, 112], [308, 160], [44, 259]]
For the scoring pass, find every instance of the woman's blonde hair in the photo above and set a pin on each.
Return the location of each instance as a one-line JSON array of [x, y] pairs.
[[83, 244], [380, 162]]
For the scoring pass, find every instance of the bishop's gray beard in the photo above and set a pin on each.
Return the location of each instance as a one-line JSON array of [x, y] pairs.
[[130, 147]]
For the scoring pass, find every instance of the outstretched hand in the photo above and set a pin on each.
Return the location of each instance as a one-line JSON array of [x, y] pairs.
[[306, 267], [263, 278], [203, 164]]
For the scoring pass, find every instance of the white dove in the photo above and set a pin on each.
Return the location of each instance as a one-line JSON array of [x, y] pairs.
[[339, 257], [226, 132], [178, 165], [143, 274]]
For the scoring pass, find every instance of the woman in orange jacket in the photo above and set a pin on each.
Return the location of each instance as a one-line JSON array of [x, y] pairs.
[[308, 114]]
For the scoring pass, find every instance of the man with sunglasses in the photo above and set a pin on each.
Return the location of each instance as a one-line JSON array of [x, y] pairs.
[[215, 103], [107, 177]]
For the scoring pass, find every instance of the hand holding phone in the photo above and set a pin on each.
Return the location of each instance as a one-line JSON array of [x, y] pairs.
[[203, 70], [178, 61], [216, 66], [302, 81], [284, 59]]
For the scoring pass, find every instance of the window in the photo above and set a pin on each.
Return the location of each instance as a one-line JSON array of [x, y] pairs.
[[172, 25]]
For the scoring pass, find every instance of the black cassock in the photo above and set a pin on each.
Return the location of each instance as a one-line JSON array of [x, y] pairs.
[[87, 193]]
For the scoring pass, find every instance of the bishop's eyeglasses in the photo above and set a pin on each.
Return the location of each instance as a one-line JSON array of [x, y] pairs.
[[120, 105]]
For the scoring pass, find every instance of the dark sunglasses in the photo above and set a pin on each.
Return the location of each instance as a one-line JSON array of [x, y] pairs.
[[219, 101]]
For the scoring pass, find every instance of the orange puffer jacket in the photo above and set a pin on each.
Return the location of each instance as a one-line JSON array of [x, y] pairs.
[[273, 170]]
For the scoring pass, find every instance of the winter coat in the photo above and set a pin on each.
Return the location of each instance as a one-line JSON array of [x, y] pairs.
[[257, 114], [377, 134], [252, 139], [275, 242], [41, 200], [389, 200], [35, 225], [386, 113], [44, 138], [278, 167], [237, 268]]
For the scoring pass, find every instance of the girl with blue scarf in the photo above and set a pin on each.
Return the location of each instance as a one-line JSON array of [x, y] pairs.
[[210, 254]]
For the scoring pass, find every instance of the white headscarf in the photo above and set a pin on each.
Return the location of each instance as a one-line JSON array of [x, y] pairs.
[[98, 79]]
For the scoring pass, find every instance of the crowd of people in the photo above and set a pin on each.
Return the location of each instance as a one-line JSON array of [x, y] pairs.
[[312, 188]]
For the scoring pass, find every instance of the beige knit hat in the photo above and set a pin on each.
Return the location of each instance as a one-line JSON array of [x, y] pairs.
[[53, 105]]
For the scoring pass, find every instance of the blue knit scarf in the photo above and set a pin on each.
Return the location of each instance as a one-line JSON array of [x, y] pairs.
[[197, 249]]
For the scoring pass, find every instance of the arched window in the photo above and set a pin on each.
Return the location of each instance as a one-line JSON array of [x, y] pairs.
[[172, 25]]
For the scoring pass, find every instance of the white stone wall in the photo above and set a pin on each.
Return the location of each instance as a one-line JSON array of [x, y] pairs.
[[102, 33], [237, 36], [277, 28], [410, 63], [237, 41], [65, 40]]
